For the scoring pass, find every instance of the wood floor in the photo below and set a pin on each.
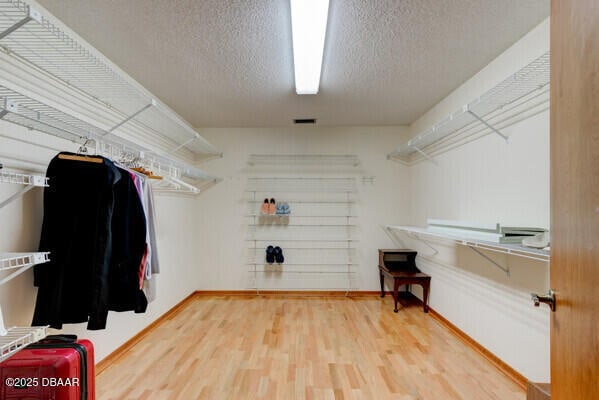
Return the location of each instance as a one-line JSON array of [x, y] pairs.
[[248, 347]]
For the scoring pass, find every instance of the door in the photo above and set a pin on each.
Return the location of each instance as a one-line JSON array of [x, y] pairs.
[[575, 199]]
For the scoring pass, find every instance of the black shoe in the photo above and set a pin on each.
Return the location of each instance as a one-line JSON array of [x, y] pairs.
[[278, 252], [270, 255]]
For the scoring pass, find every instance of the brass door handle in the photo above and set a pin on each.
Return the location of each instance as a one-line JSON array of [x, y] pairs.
[[548, 299]]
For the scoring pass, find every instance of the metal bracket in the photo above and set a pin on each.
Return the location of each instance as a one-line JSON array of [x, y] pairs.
[[486, 257], [176, 149], [429, 158], [16, 195], [32, 14], [391, 234], [129, 118], [416, 237], [485, 123]]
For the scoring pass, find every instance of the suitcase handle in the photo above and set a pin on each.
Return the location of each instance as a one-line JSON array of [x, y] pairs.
[[59, 339]]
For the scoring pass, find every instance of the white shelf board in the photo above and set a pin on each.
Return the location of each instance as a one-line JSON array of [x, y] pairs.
[[41, 42], [517, 89], [19, 337], [512, 249]]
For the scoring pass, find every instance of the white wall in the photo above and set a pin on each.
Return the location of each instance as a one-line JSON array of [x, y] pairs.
[[486, 180], [20, 225], [490, 181], [220, 210]]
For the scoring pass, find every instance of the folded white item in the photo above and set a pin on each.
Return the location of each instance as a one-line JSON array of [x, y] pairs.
[[539, 241]]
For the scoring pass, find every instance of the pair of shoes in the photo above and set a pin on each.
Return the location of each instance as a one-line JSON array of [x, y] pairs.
[[274, 254], [283, 209], [268, 208]]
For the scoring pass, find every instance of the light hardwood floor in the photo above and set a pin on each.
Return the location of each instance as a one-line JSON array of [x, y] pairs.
[[249, 347]]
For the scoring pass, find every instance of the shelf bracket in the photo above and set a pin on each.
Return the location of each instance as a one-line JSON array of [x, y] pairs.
[[485, 123], [32, 14], [393, 236], [176, 149], [486, 257], [429, 158], [129, 118], [15, 196], [15, 273]]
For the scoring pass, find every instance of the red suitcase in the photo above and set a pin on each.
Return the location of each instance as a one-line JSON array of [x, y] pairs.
[[59, 367]]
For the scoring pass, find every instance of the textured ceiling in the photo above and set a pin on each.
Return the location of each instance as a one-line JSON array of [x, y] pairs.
[[227, 63]]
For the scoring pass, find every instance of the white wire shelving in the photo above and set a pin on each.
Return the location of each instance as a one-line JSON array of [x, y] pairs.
[[475, 244], [28, 181], [30, 113], [20, 262], [18, 337], [38, 40], [333, 160], [520, 96], [13, 339], [319, 245]]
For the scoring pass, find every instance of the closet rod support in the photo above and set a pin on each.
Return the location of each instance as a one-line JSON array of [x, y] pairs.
[[485, 123], [429, 158], [486, 257], [15, 196], [129, 118]]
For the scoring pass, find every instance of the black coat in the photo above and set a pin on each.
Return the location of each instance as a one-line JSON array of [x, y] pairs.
[[83, 212]]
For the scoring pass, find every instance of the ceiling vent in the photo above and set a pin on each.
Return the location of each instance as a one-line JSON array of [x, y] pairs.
[[304, 121]]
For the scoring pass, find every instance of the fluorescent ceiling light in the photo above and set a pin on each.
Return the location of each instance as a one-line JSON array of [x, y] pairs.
[[309, 26]]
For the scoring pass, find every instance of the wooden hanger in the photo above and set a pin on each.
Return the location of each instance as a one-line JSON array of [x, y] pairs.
[[81, 155], [74, 157]]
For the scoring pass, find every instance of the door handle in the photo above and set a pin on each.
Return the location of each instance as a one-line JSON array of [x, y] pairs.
[[548, 299]]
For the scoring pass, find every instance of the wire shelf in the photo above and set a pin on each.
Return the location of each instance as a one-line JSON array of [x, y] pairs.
[[33, 37], [505, 99], [19, 337], [506, 248], [348, 160], [23, 179], [24, 111], [19, 260]]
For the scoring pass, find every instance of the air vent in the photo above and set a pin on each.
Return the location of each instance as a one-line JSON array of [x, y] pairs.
[[305, 121]]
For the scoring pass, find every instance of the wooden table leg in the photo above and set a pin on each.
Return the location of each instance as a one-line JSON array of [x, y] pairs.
[[425, 287], [395, 293], [382, 277]]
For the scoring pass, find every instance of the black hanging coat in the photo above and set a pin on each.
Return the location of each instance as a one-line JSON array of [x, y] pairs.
[[77, 231]]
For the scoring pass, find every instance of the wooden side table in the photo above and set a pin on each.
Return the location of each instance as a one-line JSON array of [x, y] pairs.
[[405, 278]]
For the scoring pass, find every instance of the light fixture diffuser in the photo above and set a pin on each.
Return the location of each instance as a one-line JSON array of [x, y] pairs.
[[308, 26]]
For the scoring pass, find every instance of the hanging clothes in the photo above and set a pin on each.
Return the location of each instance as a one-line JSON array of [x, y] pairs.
[[129, 248], [150, 263], [95, 230], [77, 231]]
